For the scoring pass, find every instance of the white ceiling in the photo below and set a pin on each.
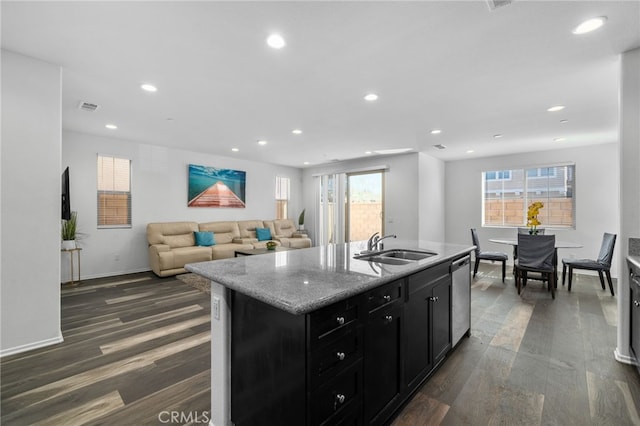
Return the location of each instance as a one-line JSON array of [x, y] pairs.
[[452, 65]]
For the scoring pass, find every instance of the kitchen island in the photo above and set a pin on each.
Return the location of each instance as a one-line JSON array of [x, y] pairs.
[[315, 336]]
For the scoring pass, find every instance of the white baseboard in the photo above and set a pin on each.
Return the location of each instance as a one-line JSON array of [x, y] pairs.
[[114, 274], [625, 359], [31, 346]]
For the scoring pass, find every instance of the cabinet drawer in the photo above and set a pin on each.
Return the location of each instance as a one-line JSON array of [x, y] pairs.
[[383, 295], [420, 279], [327, 323], [336, 355], [336, 397]]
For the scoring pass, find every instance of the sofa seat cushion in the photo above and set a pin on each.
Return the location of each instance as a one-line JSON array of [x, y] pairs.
[[295, 242], [225, 251], [178, 257]]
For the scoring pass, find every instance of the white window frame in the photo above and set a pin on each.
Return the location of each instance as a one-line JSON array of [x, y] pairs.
[[100, 190]]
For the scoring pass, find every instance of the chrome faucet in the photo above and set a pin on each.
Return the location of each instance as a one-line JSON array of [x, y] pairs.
[[373, 243]]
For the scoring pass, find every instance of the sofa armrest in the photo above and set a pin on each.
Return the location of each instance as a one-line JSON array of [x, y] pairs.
[[238, 240], [158, 248], [299, 235]]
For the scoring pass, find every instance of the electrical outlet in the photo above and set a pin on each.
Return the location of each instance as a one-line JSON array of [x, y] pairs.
[[215, 307]]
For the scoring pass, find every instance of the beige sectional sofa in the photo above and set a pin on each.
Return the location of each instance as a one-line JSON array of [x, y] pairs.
[[172, 244]]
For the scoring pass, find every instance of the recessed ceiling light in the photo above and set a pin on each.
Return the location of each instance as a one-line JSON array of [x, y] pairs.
[[555, 108], [296, 131], [564, 121], [235, 149], [276, 41], [469, 151], [305, 163], [497, 136], [149, 88], [111, 126], [262, 142], [440, 146], [392, 151], [436, 131], [590, 25], [560, 139], [368, 152], [371, 97]]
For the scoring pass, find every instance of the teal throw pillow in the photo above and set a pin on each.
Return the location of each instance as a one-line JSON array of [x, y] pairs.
[[263, 234], [205, 239]]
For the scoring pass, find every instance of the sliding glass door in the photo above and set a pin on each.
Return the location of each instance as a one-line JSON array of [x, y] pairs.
[[364, 206]]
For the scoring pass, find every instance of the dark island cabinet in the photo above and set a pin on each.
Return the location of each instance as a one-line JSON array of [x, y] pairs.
[[383, 349], [634, 310], [354, 362], [427, 322]]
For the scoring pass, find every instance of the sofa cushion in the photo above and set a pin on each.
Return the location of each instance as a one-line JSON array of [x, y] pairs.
[[173, 234], [263, 234], [225, 232], [180, 256], [248, 228], [205, 238], [284, 227]]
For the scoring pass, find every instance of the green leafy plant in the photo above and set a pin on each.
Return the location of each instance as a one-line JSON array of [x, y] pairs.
[[301, 218], [69, 227]]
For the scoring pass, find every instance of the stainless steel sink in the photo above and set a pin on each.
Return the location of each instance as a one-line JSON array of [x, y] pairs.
[[385, 259], [407, 254], [395, 256]]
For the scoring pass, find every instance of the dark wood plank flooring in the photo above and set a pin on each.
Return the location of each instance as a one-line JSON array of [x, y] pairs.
[[137, 348]]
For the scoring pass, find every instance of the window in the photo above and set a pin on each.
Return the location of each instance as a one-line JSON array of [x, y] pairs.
[[498, 175], [506, 195], [114, 192], [282, 196]]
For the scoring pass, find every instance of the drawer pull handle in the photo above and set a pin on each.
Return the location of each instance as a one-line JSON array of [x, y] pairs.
[[636, 303], [340, 356], [340, 320], [340, 398], [386, 298], [388, 318], [433, 299]]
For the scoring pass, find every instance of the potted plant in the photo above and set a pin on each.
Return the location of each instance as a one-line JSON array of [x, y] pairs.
[[301, 221], [68, 231]]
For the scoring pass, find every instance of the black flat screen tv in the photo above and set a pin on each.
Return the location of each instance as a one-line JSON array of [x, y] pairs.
[[66, 200]]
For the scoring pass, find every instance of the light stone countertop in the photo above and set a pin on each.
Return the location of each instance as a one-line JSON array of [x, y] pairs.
[[301, 281], [635, 260]]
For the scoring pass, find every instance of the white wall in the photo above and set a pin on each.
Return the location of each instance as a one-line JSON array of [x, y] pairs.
[[159, 194], [596, 198], [30, 224], [401, 191], [431, 198], [629, 185]]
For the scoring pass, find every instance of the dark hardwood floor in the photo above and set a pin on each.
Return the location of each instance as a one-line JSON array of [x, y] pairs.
[[137, 351]]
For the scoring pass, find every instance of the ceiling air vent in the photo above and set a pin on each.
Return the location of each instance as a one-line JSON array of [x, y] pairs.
[[439, 146], [87, 106], [494, 4]]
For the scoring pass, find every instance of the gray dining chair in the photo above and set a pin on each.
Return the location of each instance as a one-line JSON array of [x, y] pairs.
[[601, 264], [536, 253], [522, 230], [493, 256]]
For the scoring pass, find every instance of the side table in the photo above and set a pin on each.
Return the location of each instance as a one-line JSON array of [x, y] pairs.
[[76, 250]]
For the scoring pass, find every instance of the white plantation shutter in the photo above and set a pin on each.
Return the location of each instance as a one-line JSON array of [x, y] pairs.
[[282, 196], [114, 192]]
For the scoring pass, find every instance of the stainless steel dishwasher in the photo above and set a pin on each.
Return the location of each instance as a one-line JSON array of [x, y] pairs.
[[460, 298]]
